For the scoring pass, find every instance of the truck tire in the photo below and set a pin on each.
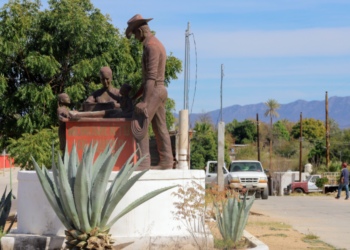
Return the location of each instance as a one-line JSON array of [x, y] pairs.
[[258, 194], [298, 190], [265, 194]]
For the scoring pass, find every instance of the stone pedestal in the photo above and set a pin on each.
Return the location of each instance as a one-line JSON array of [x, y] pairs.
[[151, 224]]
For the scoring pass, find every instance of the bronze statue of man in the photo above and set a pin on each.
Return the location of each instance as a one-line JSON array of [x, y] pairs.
[[62, 114], [107, 93], [153, 92]]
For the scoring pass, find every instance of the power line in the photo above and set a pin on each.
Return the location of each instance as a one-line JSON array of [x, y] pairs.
[[195, 85]]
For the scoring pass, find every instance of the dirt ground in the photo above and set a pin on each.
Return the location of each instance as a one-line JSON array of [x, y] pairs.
[[278, 235], [8, 223]]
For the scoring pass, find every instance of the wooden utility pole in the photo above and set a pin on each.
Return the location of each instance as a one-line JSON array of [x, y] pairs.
[[258, 139], [327, 132], [301, 145]]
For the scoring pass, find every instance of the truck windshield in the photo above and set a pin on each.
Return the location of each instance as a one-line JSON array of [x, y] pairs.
[[245, 166]]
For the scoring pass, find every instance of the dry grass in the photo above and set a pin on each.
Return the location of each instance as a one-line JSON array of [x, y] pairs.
[[280, 236]]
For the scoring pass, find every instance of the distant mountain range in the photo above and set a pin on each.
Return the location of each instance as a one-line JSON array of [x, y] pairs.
[[339, 109]]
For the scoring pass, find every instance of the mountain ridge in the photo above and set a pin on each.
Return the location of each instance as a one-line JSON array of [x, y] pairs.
[[338, 109]]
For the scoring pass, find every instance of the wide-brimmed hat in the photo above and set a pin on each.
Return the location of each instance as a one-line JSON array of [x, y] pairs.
[[133, 23]]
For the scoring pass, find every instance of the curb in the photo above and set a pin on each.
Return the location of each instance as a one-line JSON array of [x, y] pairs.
[[255, 243]]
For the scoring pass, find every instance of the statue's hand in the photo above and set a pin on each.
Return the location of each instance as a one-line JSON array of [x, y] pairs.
[[140, 108]]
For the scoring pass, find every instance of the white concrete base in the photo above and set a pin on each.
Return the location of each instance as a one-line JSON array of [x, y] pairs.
[[14, 241], [255, 243], [152, 220]]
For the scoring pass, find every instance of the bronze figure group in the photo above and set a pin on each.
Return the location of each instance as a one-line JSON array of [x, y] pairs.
[[109, 102]]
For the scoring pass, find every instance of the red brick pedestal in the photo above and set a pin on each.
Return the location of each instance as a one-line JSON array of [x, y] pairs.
[[102, 131]]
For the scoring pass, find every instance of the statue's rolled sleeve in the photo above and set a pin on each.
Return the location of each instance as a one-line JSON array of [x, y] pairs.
[[152, 62]]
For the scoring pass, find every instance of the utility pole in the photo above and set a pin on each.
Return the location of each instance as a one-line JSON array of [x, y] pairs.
[[258, 140], [301, 145], [221, 142], [327, 132], [222, 78], [187, 66]]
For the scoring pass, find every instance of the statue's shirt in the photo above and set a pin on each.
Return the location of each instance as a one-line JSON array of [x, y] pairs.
[[153, 60], [99, 97]]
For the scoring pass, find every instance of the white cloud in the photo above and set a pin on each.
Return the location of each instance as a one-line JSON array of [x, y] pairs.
[[281, 43]]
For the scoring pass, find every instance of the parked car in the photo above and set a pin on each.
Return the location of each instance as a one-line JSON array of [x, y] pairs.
[[309, 186], [247, 174]]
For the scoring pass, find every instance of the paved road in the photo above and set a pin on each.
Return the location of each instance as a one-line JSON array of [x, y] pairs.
[[324, 216]]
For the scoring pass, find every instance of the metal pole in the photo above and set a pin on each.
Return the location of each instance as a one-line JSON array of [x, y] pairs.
[[186, 71], [222, 77], [327, 132], [11, 178], [258, 140], [221, 154], [4, 153], [301, 144]]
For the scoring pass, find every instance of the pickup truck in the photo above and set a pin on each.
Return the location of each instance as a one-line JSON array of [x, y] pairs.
[[309, 186], [241, 175]]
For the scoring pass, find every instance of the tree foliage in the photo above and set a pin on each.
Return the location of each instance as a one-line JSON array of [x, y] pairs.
[[272, 105], [280, 131], [312, 129], [36, 145], [243, 132], [204, 146], [61, 49]]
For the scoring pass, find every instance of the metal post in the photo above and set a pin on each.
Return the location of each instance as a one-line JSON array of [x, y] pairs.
[[301, 144], [258, 140], [327, 132], [11, 178], [186, 66], [221, 154], [4, 153], [222, 77]]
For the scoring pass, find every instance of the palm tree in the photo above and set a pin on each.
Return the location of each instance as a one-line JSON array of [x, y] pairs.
[[272, 105]]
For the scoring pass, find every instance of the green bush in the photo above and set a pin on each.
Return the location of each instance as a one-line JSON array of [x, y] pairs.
[[34, 144], [321, 182]]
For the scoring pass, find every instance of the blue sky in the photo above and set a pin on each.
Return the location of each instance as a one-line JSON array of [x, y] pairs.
[[281, 49]]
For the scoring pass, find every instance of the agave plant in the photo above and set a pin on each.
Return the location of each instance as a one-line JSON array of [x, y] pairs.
[[77, 194], [5, 207], [233, 216]]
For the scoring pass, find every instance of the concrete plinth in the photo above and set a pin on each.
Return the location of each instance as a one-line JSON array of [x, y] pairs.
[[151, 223]]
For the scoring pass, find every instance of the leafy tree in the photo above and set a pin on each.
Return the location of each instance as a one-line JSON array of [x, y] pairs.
[[61, 49], [317, 154], [35, 145], [204, 146], [334, 129], [244, 132], [272, 105], [312, 129], [280, 131], [288, 124]]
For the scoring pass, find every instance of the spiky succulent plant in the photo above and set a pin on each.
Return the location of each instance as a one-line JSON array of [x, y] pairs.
[[233, 216], [5, 207], [77, 193]]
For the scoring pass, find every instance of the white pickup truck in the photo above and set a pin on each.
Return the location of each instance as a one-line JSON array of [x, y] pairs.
[[241, 175]]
